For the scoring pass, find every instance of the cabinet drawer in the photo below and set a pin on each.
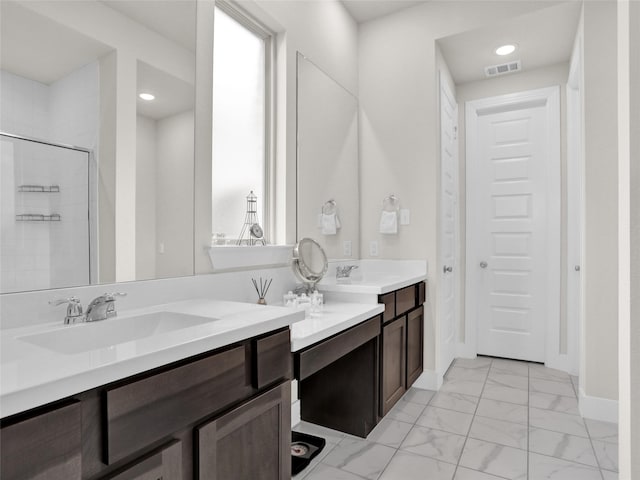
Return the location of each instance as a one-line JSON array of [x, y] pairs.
[[405, 299], [389, 301], [163, 464], [45, 446], [315, 358], [147, 410], [272, 358]]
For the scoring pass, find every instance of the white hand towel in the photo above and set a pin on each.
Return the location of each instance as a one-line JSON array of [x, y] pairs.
[[329, 224], [389, 222]]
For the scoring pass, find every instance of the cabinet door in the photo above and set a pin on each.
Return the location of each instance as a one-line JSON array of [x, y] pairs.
[[415, 341], [393, 364], [163, 464], [251, 442], [43, 447]]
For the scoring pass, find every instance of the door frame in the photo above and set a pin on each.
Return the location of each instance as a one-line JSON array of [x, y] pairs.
[[445, 91], [549, 97], [575, 209]]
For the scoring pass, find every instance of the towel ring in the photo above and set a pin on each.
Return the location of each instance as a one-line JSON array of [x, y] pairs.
[[391, 203], [329, 207]]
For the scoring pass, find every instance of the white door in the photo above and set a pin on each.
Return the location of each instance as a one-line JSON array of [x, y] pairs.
[[513, 222], [448, 225]]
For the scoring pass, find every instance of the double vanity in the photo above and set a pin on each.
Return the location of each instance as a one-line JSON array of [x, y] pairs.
[[202, 388]]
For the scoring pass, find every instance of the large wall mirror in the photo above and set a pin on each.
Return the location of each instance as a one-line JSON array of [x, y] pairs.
[[327, 163], [96, 180]]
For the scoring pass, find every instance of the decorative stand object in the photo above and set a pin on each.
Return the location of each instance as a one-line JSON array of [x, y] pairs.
[[251, 228], [262, 291]]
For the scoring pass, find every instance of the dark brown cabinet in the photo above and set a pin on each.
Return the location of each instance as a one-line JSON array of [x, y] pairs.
[[415, 342], [349, 381], [223, 414], [393, 363], [45, 446], [165, 464], [251, 442], [339, 379], [402, 345]]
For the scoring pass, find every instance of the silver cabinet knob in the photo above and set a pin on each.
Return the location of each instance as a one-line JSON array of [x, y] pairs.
[[447, 269], [483, 264], [577, 268]]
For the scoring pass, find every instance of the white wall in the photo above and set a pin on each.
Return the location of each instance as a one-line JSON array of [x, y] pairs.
[[600, 270], [322, 31], [399, 152], [327, 159], [326, 34], [174, 195], [634, 317], [146, 171]]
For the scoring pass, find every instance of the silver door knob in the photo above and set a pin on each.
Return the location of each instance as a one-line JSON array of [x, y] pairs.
[[484, 264], [447, 269]]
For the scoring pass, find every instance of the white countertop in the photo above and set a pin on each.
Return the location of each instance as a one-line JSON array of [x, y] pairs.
[[371, 284], [32, 375], [375, 277], [336, 317]]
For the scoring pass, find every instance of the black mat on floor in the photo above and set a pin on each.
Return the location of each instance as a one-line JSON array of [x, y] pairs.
[[303, 449]]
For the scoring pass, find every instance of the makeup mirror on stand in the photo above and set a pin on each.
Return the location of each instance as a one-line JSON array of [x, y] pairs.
[[309, 263]]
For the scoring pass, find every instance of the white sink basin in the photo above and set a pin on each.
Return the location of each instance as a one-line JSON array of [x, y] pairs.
[[106, 333]]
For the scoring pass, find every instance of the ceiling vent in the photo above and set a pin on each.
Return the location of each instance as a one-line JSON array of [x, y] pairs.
[[503, 68]]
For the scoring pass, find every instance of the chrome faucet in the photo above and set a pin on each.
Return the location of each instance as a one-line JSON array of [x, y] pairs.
[[344, 271], [102, 307], [74, 309]]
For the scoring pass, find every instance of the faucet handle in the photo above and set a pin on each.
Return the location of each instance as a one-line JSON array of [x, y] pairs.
[[59, 301], [74, 308], [111, 296]]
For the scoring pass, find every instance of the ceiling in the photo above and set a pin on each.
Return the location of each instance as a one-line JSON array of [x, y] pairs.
[[173, 95], [544, 37], [365, 10], [176, 20], [36, 47]]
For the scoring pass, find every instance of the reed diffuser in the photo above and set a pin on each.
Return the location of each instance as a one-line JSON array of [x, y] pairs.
[[261, 289]]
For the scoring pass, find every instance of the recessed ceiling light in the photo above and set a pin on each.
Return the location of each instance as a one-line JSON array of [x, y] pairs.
[[505, 49], [147, 96]]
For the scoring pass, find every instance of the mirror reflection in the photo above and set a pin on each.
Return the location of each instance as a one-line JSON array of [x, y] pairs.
[[119, 206], [328, 193]]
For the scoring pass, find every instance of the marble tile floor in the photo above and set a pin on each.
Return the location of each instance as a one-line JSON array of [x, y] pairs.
[[492, 419]]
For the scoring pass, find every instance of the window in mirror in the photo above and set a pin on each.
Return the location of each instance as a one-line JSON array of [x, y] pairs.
[[241, 99]]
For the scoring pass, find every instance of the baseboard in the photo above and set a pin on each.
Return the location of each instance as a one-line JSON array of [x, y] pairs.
[[465, 350], [429, 380], [561, 362], [598, 408], [295, 413]]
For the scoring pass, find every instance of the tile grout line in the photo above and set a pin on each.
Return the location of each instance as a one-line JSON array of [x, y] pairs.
[[407, 434], [472, 419], [593, 449]]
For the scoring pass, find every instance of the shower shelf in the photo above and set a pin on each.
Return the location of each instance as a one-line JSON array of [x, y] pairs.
[[39, 188], [37, 217]]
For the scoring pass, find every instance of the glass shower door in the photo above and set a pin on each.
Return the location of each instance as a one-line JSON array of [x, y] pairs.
[[44, 215]]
